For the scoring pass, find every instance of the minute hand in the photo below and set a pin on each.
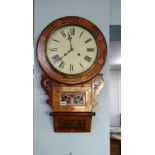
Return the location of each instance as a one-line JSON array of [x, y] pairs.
[[70, 38]]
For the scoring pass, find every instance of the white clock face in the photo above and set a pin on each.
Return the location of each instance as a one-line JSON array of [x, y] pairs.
[[71, 50]]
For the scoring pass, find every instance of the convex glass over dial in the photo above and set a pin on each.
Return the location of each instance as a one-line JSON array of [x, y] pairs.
[[71, 49]]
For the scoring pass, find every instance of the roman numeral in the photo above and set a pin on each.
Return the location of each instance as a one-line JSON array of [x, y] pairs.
[[90, 49], [53, 49], [62, 64], [87, 58], [56, 58], [81, 34], [63, 33], [72, 31], [71, 67], [81, 65], [56, 40], [87, 40]]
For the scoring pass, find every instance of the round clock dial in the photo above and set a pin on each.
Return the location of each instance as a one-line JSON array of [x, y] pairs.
[[71, 49]]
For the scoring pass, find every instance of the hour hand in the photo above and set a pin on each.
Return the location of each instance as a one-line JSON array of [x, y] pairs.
[[68, 52]]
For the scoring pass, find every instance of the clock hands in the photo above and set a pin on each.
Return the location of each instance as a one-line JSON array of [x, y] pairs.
[[71, 48], [57, 58], [70, 38], [67, 53]]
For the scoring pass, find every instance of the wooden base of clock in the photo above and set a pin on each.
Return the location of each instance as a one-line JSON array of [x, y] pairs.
[[72, 104], [72, 121]]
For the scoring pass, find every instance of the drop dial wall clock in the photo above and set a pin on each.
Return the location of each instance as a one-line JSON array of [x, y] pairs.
[[71, 52]]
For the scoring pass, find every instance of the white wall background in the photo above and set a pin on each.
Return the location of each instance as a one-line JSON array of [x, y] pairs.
[[47, 142], [115, 12], [115, 55], [115, 66], [115, 97]]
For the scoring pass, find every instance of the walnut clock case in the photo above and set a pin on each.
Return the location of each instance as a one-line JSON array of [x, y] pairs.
[[71, 51]]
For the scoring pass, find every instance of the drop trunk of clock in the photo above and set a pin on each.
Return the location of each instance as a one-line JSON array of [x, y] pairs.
[[72, 105]]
